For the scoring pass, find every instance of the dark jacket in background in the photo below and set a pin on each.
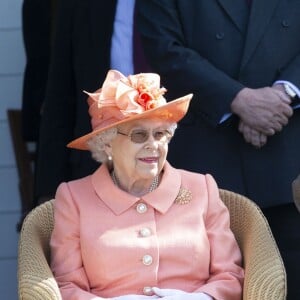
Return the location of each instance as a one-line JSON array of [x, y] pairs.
[[37, 21], [80, 61]]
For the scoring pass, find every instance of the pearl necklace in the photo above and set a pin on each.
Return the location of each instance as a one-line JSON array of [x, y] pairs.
[[152, 187]]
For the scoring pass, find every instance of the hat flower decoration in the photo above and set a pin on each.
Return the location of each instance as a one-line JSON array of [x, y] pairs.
[[132, 95]]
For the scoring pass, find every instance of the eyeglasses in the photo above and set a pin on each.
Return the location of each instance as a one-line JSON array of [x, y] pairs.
[[140, 136]]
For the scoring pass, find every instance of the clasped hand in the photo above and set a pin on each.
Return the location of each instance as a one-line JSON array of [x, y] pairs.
[[263, 112]]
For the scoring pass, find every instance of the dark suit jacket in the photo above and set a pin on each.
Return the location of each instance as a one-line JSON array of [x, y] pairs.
[[214, 49], [36, 25], [80, 60]]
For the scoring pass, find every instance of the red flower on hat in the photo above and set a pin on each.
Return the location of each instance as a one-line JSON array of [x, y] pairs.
[[149, 93]]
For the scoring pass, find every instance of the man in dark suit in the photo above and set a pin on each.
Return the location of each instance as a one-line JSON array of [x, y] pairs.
[[37, 22], [81, 57], [241, 59]]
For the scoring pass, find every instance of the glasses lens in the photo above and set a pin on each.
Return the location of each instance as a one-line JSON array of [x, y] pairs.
[[161, 135], [139, 136]]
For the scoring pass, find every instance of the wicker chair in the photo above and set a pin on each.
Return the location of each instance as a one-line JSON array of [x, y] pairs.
[[265, 277]]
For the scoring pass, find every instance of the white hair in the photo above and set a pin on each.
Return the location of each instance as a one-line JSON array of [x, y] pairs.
[[97, 143], [172, 128]]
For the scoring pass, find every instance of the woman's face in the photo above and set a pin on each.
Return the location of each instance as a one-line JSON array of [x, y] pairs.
[[144, 160]]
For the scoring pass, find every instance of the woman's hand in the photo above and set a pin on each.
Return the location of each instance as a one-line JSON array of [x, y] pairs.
[[135, 297], [172, 294]]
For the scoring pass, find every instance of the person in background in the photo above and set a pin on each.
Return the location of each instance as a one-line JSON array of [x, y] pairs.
[[137, 228], [38, 18], [91, 38], [241, 60]]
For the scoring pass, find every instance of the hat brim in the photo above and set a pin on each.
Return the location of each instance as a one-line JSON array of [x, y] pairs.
[[172, 111]]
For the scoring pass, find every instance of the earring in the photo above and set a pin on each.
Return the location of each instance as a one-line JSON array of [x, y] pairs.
[[109, 158]]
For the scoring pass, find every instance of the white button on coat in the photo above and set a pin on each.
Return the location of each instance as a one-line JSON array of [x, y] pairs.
[[147, 260], [145, 232], [141, 208]]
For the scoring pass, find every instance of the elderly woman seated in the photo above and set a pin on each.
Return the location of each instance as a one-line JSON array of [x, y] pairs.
[[139, 228]]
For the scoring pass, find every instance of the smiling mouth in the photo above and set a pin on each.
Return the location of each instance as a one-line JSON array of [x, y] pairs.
[[149, 159]]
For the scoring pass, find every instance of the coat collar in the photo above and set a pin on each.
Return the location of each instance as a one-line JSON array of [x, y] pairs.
[[119, 201]]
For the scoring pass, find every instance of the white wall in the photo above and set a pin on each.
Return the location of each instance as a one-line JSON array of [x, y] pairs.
[[12, 61]]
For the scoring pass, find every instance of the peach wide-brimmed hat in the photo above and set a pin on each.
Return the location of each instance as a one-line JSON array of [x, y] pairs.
[[122, 99]]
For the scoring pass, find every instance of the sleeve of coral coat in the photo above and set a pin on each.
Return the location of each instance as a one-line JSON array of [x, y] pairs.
[[66, 262], [226, 274]]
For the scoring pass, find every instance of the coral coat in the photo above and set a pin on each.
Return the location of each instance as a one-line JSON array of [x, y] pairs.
[[105, 244]]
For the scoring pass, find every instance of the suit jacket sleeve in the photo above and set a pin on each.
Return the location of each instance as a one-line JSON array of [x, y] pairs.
[[291, 72]]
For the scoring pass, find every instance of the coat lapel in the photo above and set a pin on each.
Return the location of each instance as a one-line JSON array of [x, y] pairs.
[[238, 11], [261, 13]]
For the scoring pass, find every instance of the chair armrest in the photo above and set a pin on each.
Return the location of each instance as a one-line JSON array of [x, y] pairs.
[[35, 278]]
